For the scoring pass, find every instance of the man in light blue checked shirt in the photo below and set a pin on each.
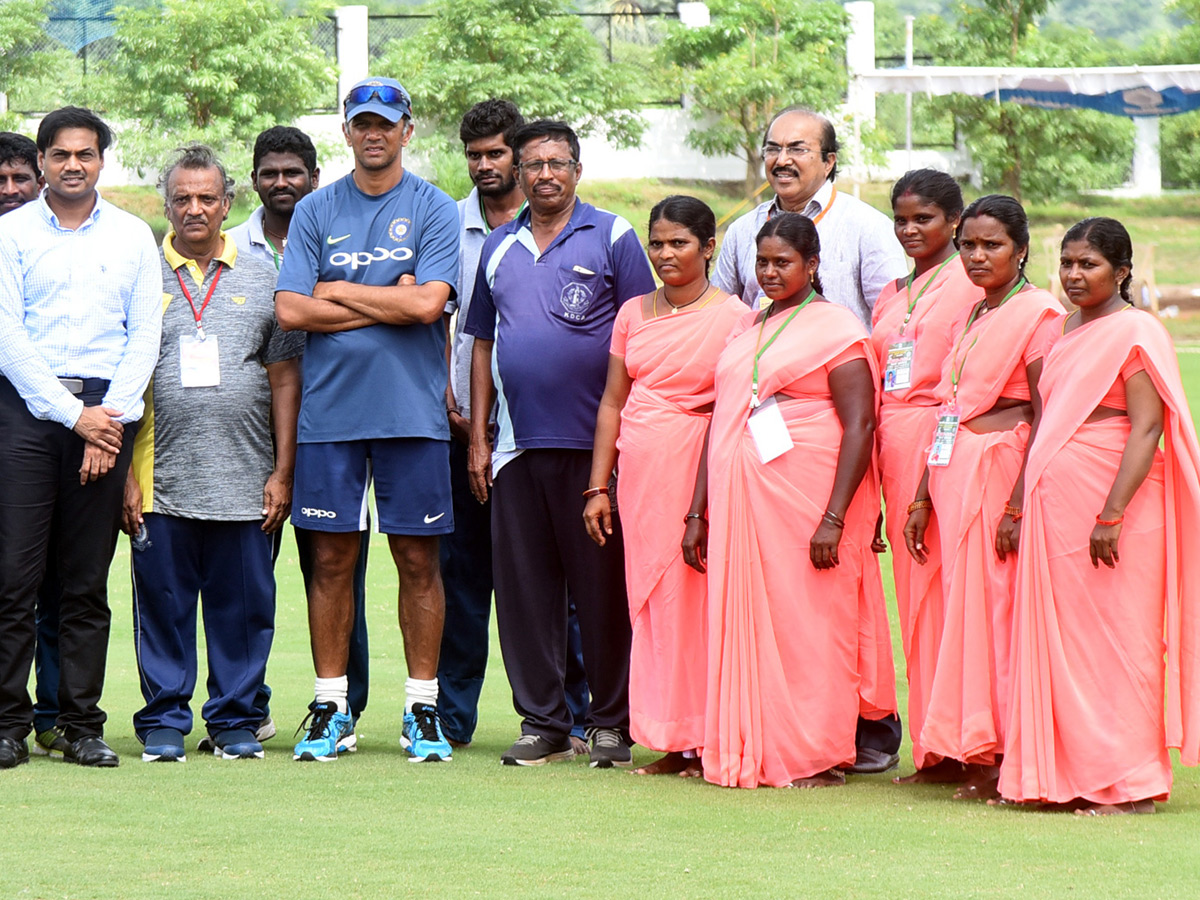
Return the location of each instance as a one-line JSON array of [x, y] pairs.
[[80, 323]]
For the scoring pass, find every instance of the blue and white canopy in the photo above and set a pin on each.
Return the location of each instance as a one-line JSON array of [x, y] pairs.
[[1133, 91]]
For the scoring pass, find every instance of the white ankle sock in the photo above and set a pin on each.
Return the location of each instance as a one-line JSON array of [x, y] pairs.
[[417, 690], [332, 690]]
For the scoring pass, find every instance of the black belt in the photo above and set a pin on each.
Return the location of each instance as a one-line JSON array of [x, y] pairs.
[[78, 386]]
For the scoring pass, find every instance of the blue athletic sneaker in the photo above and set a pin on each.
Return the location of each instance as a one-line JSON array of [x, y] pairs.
[[422, 736], [164, 745], [326, 735]]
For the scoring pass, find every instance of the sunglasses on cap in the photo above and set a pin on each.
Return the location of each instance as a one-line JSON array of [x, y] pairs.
[[388, 95]]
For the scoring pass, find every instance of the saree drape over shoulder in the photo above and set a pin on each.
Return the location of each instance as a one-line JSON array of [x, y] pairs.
[[906, 421], [1087, 703], [672, 361], [784, 679], [968, 694]]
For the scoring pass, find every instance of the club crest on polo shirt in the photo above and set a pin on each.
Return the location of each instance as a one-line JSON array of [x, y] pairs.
[[398, 230], [575, 299]]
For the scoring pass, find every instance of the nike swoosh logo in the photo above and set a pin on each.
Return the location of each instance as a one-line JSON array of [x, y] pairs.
[[331, 240], [429, 520]]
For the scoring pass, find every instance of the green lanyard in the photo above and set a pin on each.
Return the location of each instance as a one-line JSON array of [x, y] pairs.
[[956, 369], [912, 301], [274, 253], [778, 331]]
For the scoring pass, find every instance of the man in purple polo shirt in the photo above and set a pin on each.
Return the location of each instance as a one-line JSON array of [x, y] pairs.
[[547, 292]]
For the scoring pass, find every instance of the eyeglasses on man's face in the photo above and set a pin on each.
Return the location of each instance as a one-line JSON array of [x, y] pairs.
[[771, 150], [557, 166]]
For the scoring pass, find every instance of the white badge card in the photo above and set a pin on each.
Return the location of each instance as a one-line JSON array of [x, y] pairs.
[[944, 434], [199, 361], [769, 431], [897, 375]]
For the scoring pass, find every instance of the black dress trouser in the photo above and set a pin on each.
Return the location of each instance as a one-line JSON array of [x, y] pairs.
[[541, 554], [42, 504]]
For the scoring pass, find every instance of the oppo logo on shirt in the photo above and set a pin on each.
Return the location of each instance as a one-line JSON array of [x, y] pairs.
[[360, 258]]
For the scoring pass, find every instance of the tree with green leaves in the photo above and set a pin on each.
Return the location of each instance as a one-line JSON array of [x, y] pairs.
[[755, 58], [1022, 150], [211, 71], [532, 52], [21, 36]]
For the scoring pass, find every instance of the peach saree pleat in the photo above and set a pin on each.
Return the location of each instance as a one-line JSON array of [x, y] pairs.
[[1086, 716], [906, 421], [784, 681], [968, 693], [672, 361]]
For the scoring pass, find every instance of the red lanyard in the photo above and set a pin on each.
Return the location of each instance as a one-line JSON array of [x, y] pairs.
[[186, 293]]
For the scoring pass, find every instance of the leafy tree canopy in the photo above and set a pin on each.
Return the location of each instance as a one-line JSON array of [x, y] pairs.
[[755, 58], [208, 70], [1022, 150], [532, 52]]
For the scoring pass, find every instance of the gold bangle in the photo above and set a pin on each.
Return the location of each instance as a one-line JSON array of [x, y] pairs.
[[920, 504]]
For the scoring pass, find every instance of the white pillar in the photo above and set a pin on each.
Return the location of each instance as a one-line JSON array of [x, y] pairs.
[[860, 100], [351, 47], [1147, 168], [693, 15], [860, 59]]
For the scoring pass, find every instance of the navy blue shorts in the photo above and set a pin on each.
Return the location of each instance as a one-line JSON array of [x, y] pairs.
[[412, 486]]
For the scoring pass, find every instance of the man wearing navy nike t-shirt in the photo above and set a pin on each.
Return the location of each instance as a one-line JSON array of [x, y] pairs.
[[372, 260]]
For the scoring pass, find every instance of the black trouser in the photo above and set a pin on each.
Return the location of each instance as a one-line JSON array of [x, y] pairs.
[[540, 551], [42, 503], [879, 734]]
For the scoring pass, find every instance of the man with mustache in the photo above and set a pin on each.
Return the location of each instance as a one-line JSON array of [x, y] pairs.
[[859, 250], [859, 255], [546, 296], [486, 131], [20, 178], [207, 489], [21, 181], [283, 172], [80, 321]]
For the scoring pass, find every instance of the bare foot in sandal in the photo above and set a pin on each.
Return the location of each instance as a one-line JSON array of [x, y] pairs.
[[982, 783], [671, 764], [1134, 807], [948, 771], [829, 778]]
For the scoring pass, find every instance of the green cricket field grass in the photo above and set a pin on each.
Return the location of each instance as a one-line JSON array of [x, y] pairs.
[[371, 825]]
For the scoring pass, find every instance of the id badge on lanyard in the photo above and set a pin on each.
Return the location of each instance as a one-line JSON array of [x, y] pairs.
[[944, 435], [199, 360], [897, 374]]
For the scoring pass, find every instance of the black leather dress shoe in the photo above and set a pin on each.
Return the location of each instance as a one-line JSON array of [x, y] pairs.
[[871, 761], [92, 751], [13, 753]]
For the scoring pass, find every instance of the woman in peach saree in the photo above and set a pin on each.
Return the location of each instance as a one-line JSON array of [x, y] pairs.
[[1107, 565], [911, 339], [974, 482], [792, 500], [655, 413]]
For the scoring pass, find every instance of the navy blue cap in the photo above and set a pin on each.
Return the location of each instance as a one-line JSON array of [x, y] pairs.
[[383, 96]]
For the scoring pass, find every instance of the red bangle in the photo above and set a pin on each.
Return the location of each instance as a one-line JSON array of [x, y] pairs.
[[1013, 511], [1116, 521], [596, 492]]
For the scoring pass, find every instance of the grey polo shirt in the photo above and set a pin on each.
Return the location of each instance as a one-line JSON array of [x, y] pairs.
[[205, 452]]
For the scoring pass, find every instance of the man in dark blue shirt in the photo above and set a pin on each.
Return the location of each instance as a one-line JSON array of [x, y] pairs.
[[546, 295]]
